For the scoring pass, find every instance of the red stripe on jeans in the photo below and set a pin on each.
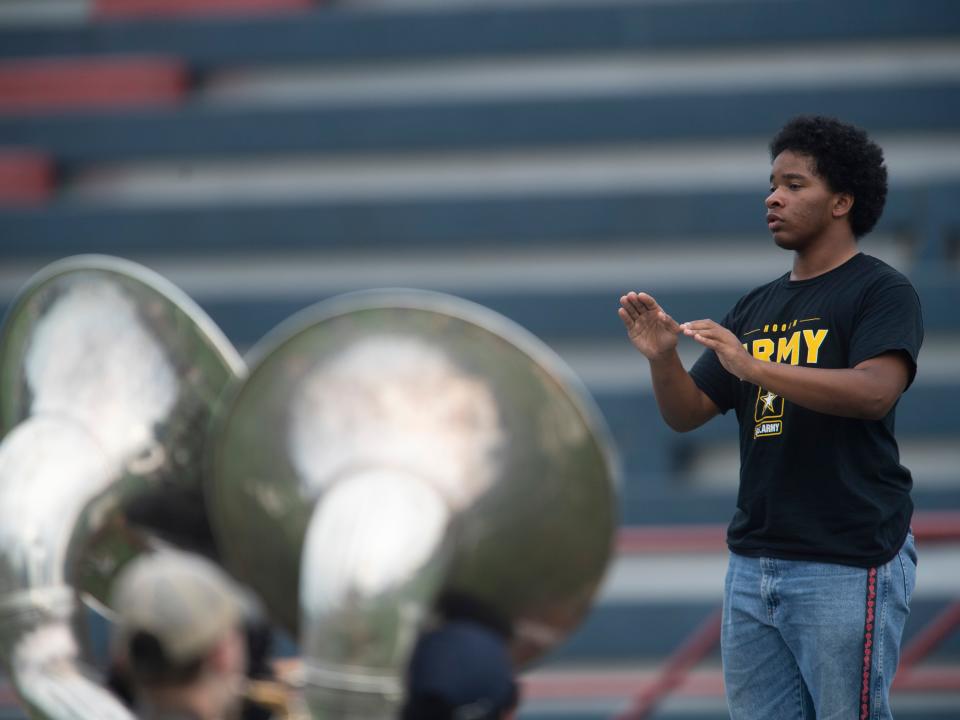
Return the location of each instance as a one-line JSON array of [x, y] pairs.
[[868, 644]]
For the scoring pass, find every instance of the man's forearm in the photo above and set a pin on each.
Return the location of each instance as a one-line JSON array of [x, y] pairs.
[[681, 402], [863, 393]]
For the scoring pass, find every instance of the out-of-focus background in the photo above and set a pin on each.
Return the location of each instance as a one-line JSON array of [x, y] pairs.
[[540, 157]]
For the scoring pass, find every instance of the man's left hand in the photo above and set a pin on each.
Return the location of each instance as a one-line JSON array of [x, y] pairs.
[[732, 355]]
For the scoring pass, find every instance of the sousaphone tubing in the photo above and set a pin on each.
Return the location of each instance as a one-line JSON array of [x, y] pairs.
[[393, 451], [108, 375]]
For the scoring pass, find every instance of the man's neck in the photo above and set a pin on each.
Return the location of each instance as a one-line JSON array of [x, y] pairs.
[[823, 256]]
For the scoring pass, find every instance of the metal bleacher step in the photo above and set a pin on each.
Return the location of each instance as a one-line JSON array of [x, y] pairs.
[[610, 72], [17, 14], [246, 305], [150, 9], [203, 130], [348, 32], [465, 223], [702, 706], [598, 169]]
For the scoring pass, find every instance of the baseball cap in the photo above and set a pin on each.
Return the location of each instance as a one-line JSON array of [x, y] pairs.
[[183, 601], [460, 670]]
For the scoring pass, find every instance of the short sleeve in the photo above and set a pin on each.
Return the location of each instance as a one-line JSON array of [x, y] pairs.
[[713, 379], [890, 319]]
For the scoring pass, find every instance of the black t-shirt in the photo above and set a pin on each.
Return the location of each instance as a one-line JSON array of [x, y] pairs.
[[815, 486]]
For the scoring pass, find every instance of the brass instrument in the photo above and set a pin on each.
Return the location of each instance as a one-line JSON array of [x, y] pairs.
[[107, 377], [386, 452], [389, 449]]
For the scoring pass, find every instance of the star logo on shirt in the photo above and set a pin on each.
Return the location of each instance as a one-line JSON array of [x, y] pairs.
[[769, 406], [767, 401]]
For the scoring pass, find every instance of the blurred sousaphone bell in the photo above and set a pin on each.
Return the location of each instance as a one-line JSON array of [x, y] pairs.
[[392, 448], [107, 378]]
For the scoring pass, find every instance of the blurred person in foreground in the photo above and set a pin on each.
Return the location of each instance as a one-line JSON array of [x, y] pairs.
[[179, 636], [461, 670], [822, 561]]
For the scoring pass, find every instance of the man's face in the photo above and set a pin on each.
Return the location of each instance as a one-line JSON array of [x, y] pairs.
[[800, 204], [229, 663]]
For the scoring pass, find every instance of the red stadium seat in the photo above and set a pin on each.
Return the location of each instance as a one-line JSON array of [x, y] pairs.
[[28, 86], [173, 8], [26, 177]]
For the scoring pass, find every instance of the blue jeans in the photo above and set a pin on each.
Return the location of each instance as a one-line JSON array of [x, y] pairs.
[[804, 640]]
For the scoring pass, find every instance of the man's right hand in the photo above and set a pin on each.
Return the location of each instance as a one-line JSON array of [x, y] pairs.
[[649, 328]]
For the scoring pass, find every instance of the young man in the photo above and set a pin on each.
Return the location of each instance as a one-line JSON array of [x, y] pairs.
[[822, 563], [179, 636]]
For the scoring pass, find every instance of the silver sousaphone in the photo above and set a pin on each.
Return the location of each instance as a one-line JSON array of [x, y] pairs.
[[391, 450], [107, 378]]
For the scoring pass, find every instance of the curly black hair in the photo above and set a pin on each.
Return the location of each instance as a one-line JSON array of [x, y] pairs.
[[845, 158]]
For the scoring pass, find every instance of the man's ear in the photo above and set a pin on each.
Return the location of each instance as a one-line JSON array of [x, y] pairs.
[[842, 204]]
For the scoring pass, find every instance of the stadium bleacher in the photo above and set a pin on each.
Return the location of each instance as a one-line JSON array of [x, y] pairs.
[[539, 157]]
